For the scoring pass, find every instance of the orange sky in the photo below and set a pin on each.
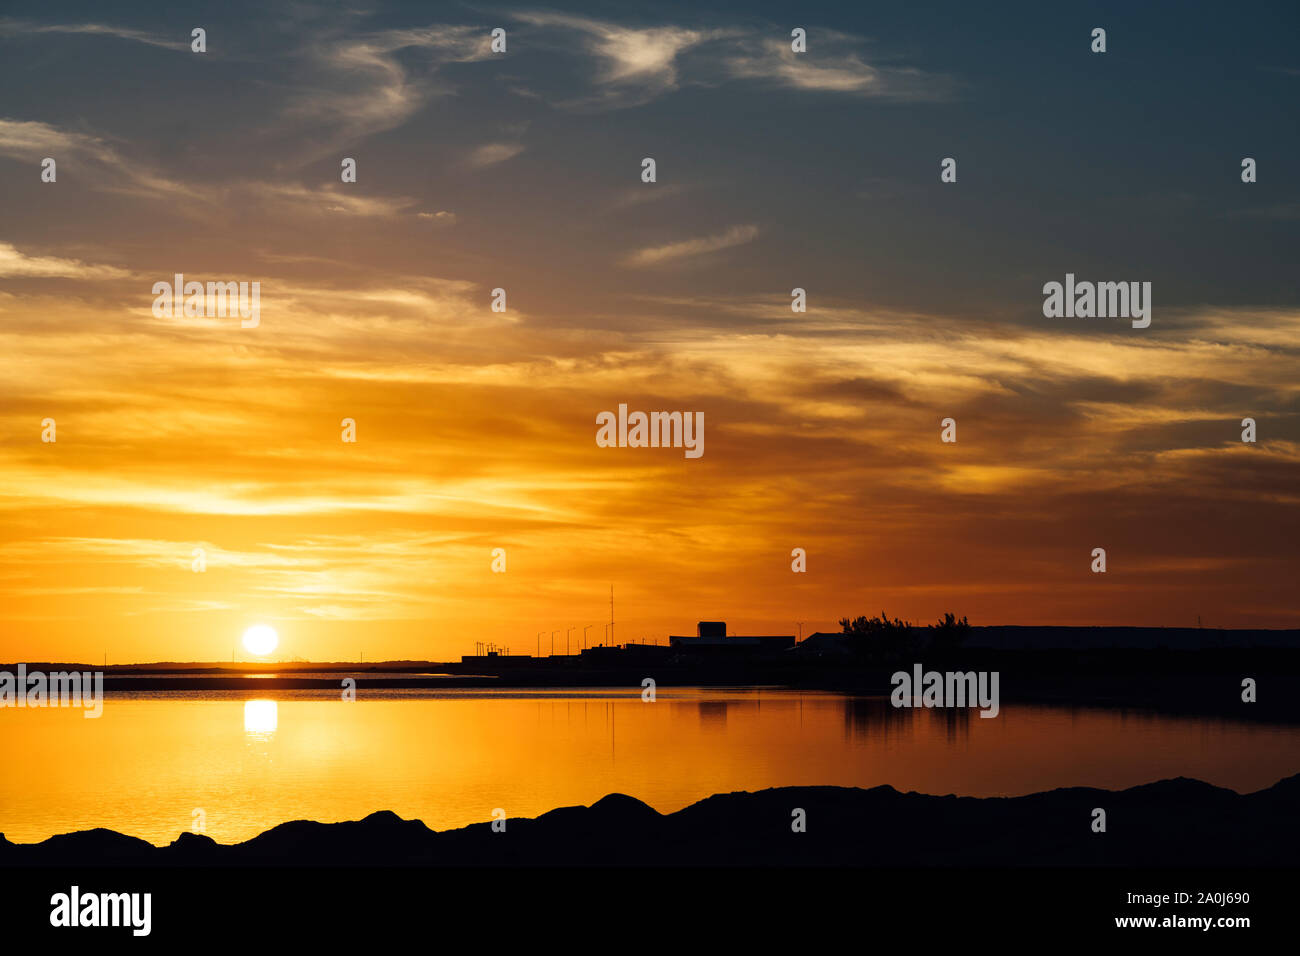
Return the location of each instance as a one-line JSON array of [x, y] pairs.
[[175, 434]]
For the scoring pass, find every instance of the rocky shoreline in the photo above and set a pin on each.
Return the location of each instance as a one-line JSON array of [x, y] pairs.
[[1178, 822]]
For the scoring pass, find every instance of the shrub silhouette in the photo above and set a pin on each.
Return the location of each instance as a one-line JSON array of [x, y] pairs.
[[882, 639], [949, 633]]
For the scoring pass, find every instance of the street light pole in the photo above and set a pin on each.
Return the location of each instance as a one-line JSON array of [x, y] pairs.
[[584, 635]]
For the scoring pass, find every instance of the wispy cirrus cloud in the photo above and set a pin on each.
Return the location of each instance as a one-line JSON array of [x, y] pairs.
[[692, 248], [442, 217], [489, 154], [352, 86], [10, 27], [100, 166], [637, 64], [104, 166], [334, 198], [835, 63], [15, 264]]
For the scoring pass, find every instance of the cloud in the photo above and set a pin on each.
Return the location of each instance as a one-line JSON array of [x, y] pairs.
[[25, 27], [104, 167], [689, 248], [490, 154], [355, 86], [441, 217], [16, 264], [333, 199], [342, 87], [27, 140], [636, 64], [639, 196], [833, 64]]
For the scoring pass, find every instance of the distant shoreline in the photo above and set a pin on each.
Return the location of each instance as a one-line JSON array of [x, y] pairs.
[[1002, 637], [984, 638], [1204, 681]]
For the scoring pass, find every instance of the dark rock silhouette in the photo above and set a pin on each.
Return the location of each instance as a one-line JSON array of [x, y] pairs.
[[1178, 822]]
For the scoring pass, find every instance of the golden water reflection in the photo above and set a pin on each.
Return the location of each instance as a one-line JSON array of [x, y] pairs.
[[147, 763]]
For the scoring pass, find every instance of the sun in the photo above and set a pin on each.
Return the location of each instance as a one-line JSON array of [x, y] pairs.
[[260, 640]]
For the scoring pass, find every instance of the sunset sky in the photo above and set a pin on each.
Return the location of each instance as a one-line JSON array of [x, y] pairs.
[[476, 430]]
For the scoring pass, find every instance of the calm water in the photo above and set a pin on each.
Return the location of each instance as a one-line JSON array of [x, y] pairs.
[[450, 757]]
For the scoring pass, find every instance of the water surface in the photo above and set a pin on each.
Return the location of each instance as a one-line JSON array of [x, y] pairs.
[[449, 757]]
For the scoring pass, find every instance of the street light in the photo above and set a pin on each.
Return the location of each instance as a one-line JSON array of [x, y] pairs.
[[566, 639], [584, 635], [553, 633]]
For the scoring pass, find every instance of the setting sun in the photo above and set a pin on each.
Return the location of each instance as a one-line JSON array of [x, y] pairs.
[[260, 640]]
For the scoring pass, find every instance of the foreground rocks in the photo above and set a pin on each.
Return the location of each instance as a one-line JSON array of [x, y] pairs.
[[1178, 822]]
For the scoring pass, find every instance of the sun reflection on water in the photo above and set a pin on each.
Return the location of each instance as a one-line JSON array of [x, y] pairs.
[[261, 718]]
